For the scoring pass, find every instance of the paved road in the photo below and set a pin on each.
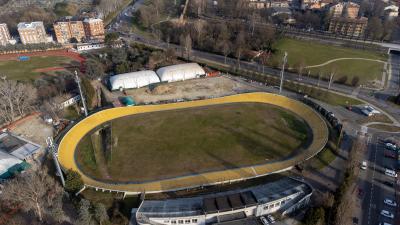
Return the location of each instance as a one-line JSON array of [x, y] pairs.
[[372, 183]]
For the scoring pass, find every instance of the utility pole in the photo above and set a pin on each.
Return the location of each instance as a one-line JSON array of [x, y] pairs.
[[53, 150], [78, 81], [283, 71]]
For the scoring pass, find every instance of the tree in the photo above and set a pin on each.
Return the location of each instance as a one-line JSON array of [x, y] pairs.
[[186, 43], [332, 74], [15, 98], [89, 91], [73, 181], [199, 26], [354, 81], [84, 215], [226, 49], [240, 44], [374, 28], [111, 38], [94, 69], [314, 216], [34, 191], [100, 213]]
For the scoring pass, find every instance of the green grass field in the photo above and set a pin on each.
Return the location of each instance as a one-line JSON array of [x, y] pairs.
[[180, 142], [311, 53], [25, 70]]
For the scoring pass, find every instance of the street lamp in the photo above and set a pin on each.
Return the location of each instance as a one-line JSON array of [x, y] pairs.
[[78, 81], [283, 70]]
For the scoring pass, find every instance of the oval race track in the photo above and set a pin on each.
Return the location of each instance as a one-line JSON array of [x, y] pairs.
[[68, 144]]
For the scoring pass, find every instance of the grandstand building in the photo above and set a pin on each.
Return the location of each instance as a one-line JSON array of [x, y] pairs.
[[241, 206]]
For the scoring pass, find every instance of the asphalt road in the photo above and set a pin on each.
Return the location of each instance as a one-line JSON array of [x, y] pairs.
[[371, 182]]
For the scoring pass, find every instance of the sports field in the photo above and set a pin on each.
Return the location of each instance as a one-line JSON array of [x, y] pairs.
[[32, 69], [173, 143], [349, 62]]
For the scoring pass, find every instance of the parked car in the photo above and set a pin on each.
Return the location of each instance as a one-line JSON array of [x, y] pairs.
[[384, 223], [390, 173], [264, 221], [390, 202], [391, 146], [390, 154], [388, 183], [387, 214], [369, 111], [363, 165], [355, 221], [271, 219]]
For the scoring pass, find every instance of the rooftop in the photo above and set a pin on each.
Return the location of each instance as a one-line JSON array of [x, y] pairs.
[[224, 201], [17, 146], [25, 25]]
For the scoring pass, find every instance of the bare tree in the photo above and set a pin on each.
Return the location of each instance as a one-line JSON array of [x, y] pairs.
[[35, 191], [15, 98], [199, 26], [186, 43], [332, 74], [240, 46], [226, 49]]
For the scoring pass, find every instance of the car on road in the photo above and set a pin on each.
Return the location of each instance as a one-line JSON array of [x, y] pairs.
[[264, 221], [390, 202], [390, 173], [271, 219], [387, 214], [384, 223]]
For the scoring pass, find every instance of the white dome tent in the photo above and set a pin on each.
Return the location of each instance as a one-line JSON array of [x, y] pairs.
[[180, 72], [133, 80]]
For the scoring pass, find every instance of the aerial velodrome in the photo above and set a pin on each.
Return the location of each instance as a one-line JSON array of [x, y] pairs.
[[68, 144]]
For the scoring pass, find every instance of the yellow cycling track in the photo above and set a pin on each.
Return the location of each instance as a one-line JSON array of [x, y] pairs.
[[68, 144]]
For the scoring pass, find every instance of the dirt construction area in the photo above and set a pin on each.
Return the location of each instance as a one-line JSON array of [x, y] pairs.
[[190, 89]]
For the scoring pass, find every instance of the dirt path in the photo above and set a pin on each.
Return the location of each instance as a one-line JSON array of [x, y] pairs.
[[340, 59]]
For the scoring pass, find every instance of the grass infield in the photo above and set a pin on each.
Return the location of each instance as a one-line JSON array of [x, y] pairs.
[[173, 143], [25, 70]]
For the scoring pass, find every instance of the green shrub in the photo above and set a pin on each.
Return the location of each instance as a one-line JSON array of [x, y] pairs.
[[73, 181]]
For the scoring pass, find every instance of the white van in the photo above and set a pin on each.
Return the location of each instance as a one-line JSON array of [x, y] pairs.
[[390, 173], [364, 165]]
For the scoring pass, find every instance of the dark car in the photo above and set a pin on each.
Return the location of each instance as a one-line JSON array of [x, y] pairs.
[[355, 221], [388, 183]]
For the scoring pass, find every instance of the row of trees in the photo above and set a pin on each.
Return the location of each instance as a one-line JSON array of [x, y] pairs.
[[106, 7], [16, 99], [225, 38]]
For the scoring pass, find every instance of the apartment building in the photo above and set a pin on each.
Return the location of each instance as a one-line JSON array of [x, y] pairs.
[[32, 33], [351, 10], [94, 29], [5, 36], [346, 9], [67, 30], [265, 4], [354, 27]]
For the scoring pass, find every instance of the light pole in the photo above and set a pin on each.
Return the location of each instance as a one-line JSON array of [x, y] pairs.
[[282, 72], [78, 81]]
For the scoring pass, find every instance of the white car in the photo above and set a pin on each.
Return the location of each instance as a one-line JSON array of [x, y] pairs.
[[390, 173], [387, 214], [390, 202], [264, 221], [271, 219], [383, 223], [363, 165], [369, 111]]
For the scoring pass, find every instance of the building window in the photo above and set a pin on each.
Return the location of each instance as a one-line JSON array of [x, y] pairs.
[[194, 220], [187, 221], [276, 204], [266, 207], [173, 221], [166, 221], [180, 221]]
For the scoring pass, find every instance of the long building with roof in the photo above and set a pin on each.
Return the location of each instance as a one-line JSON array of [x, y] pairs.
[[282, 196]]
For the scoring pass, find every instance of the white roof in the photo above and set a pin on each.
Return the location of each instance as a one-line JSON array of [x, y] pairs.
[[133, 80], [7, 161], [180, 72], [24, 25]]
